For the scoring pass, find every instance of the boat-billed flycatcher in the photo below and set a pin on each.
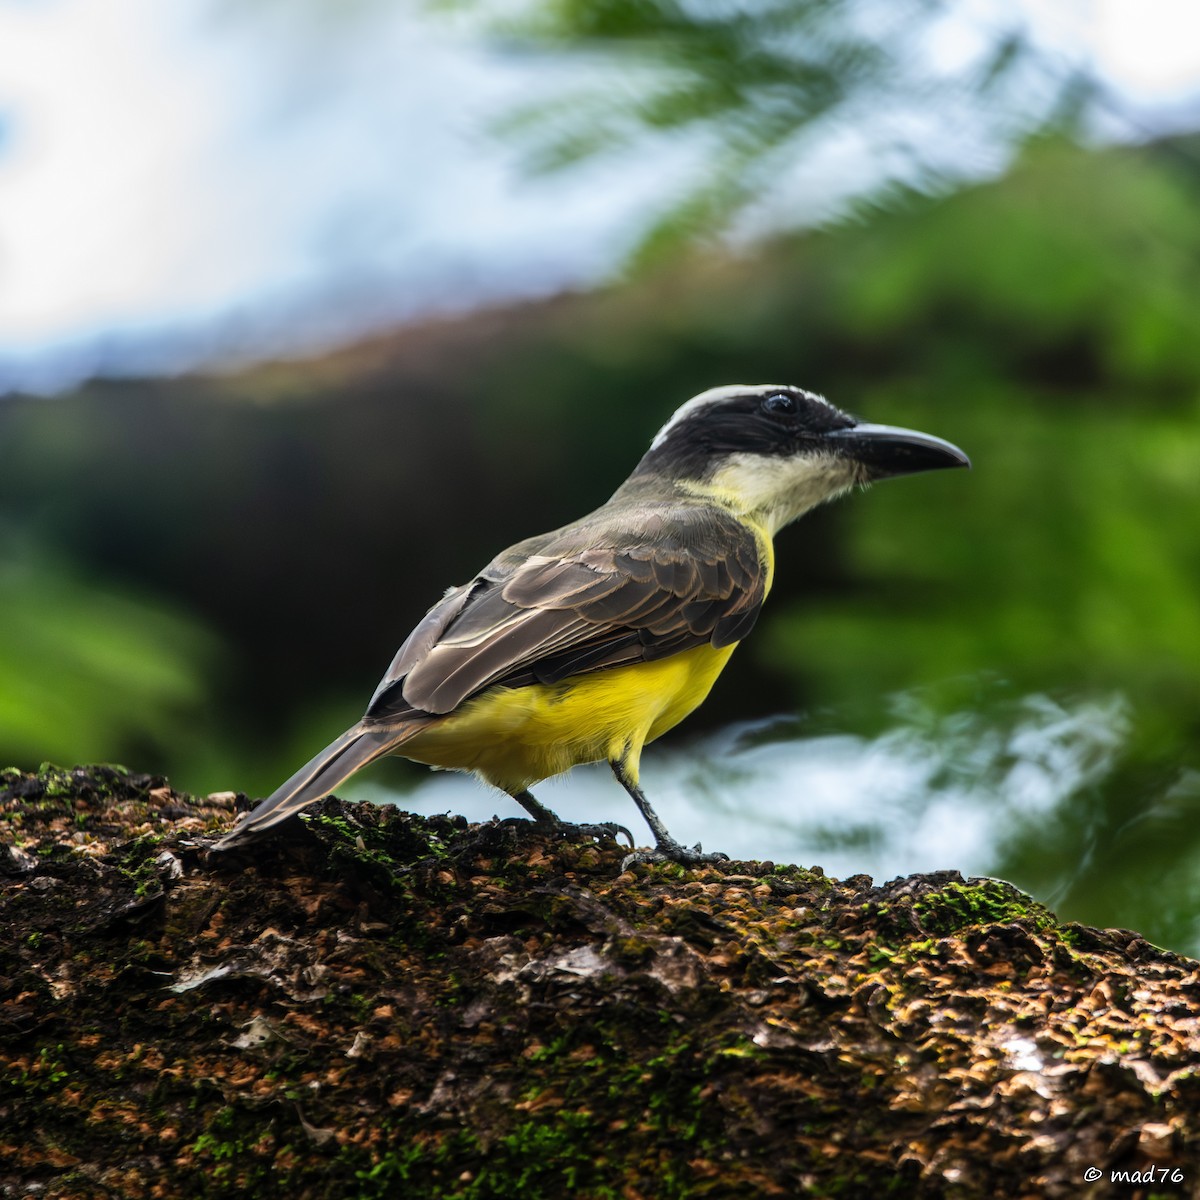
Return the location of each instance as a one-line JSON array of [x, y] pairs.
[[588, 642]]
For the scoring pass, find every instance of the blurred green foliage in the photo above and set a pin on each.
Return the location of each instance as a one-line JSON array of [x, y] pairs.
[[1046, 323], [90, 671], [308, 514], [754, 104]]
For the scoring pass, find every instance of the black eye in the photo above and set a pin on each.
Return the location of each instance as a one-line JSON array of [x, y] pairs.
[[779, 402]]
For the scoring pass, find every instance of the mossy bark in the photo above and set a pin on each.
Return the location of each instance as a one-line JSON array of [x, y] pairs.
[[375, 1004]]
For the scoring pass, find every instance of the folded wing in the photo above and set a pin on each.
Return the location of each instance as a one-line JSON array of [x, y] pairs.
[[630, 593]]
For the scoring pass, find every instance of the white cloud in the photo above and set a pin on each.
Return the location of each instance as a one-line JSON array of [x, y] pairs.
[[1149, 49], [112, 136]]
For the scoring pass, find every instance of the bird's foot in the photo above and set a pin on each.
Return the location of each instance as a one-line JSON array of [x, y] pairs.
[[570, 831], [669, 850], [601, 829]]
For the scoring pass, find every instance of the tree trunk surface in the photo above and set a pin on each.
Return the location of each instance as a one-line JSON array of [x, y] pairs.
[[378, 1004]]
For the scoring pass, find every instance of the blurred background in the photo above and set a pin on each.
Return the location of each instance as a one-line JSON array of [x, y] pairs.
[[306, 309]]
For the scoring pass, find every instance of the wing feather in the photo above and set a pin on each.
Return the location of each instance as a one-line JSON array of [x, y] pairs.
[[635, 590], [422, 639]]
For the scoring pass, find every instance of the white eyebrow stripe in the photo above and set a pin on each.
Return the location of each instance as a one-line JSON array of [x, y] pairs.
[[727, 392]]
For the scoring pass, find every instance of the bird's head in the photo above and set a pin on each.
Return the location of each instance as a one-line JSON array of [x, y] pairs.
[[774, 451]]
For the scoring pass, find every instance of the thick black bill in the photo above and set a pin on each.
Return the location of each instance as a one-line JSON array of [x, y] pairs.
[[885, 450]]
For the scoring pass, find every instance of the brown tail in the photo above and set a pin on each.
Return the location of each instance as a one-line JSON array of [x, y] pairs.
[[318, 777]]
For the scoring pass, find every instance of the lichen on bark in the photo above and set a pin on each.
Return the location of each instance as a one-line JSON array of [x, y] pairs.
[[377, 1004]]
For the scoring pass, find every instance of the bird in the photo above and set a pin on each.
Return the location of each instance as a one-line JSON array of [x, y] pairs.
[[586, 643]]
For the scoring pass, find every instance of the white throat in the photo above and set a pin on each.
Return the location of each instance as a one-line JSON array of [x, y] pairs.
[[773, 492]]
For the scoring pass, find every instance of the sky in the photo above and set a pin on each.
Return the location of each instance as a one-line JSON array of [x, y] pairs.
[[195, 179]]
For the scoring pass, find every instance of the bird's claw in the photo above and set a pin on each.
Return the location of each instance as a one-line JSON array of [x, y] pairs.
[[600, 829], [580, 832], [676, 852]]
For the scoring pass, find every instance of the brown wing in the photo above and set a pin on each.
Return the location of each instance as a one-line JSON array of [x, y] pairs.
[[635, 590]]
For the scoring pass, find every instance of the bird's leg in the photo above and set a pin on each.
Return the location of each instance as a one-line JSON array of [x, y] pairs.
[[666, 849], [535, 808], [544, 817]]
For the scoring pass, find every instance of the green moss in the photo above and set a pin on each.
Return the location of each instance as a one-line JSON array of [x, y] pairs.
[[383, 853], [980, 902], [44, 1075], [395, 1166], [559, 1150], [136, 862], [632, 950], [102, 779]]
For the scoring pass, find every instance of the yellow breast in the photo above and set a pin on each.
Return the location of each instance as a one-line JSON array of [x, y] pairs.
[[515, 737]]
